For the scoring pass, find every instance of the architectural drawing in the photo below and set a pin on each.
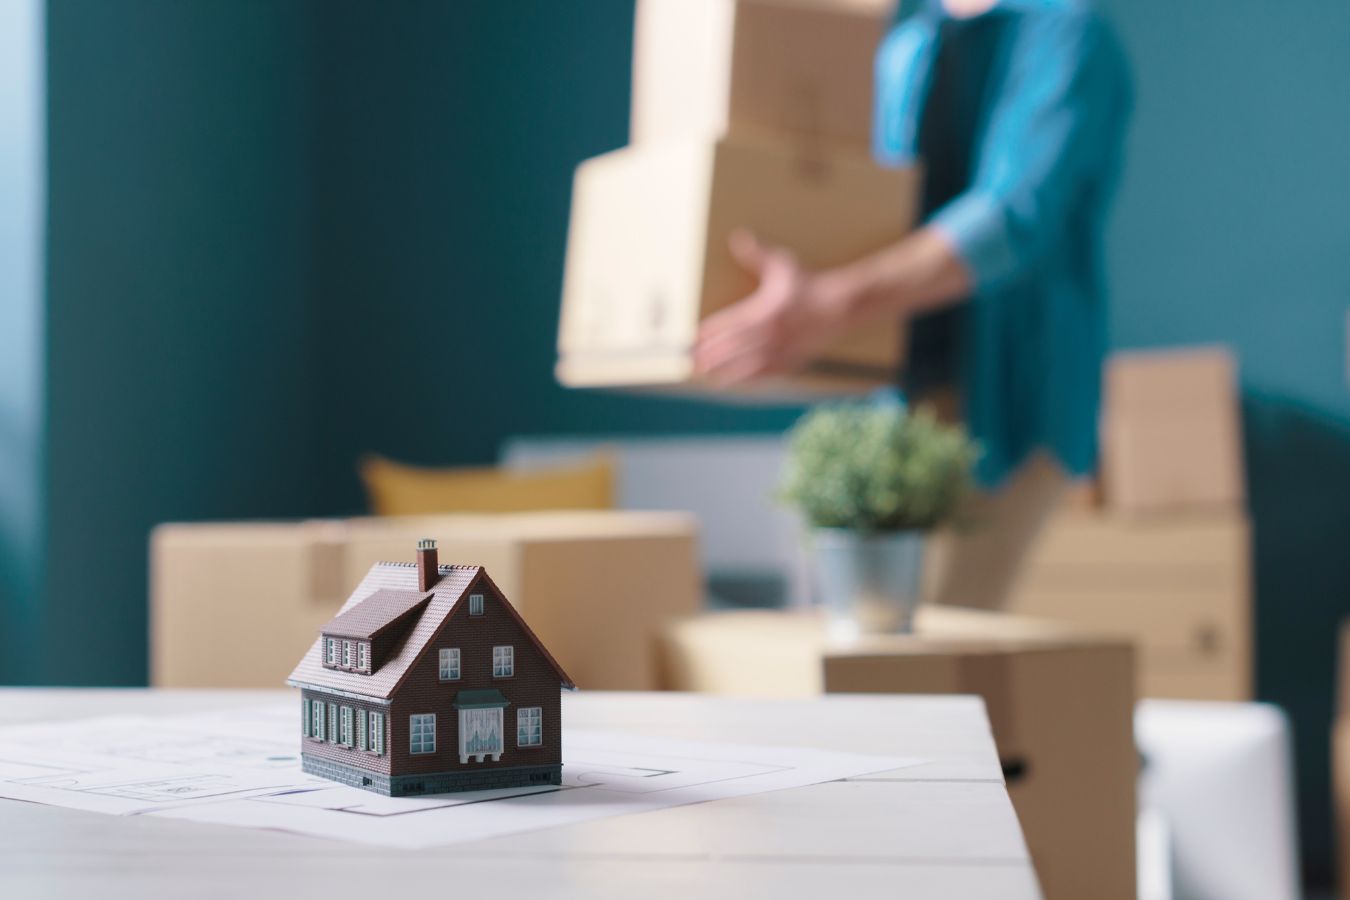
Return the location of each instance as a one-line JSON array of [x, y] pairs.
[[231, 768]]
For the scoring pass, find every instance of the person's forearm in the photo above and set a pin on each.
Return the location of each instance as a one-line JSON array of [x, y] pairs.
[[918, 274]]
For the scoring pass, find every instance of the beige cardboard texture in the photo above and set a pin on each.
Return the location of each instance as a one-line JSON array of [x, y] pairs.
[[1172, 431], [1179, 586], [799, 71], [234, 605], [647, 254]]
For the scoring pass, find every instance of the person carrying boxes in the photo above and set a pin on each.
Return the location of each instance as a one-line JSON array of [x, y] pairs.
[[745, 113], [1018, 110]]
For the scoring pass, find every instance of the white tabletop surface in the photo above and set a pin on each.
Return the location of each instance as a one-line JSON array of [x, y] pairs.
[[945, 829]]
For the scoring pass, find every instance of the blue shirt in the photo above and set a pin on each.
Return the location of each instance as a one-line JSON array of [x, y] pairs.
[[1018, 116]]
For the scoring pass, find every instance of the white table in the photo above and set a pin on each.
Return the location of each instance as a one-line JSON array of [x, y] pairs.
[[945, 829]]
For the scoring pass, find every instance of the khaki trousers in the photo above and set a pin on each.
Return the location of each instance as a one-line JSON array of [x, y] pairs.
[[976, 562]]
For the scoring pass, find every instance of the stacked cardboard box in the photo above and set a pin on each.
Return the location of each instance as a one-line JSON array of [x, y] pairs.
[[1179, 586], [1171, 431], [1160, 550], [746, 113], [1060, 702], [235, 605], [773, 69]]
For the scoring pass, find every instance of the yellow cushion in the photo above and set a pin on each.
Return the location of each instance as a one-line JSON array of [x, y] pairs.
[[396, 489]]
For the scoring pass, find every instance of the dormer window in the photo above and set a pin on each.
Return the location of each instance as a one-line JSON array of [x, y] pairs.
[[346, 654], [360, 639]]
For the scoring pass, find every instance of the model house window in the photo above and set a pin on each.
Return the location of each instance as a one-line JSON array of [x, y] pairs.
[[422, 734], [377, 733], [363, 655], [316, 720], [348, 655], [361, 729], [449, 664], [530, 726], [332, 722], [503, 662], [480, 733], [306, 723], [330, 651], [346, 732], [475, 604]]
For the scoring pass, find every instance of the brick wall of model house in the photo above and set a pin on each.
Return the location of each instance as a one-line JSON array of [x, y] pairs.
[[535, 683], [329, 749]]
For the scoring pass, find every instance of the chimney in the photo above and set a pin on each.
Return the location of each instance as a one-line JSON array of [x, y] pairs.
[[427, 572]]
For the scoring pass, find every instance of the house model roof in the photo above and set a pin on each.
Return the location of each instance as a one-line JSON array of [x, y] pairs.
[[378, 613], [388, 597]]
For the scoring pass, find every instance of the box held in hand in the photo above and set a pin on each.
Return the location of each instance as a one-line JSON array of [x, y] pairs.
[[790, 69], [648, 256]]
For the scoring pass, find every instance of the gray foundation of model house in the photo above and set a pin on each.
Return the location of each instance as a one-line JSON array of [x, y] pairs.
[[433, 782]]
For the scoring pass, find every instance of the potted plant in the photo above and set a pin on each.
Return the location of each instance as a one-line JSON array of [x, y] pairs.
[[872, 480]]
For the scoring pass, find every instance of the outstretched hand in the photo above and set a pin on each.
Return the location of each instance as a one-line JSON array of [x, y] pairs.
[[789, 319]]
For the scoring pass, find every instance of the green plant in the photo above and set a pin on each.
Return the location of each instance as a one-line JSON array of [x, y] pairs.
[[876, 468]]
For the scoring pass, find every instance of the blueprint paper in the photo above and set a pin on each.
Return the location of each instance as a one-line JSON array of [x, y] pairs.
[[242, 768]]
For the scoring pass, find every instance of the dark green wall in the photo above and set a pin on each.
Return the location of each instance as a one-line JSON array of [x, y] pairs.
[[180, 249]]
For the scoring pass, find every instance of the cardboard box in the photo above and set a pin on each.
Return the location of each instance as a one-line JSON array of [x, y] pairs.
[[1171, 431], [647, 255], [1060, 703], [1178, 586], [785, 68], [235, 605]]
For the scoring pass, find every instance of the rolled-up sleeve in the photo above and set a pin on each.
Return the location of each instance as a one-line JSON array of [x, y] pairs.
[[1054, 134]]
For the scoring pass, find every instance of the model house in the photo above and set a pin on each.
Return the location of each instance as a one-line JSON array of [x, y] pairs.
[[429, 681]]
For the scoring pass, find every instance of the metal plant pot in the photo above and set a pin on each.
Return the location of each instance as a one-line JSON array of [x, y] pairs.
[[868, 582]]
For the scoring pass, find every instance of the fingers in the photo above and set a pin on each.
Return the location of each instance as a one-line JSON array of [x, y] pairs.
[[727, 357], [731, 359], [748, 364], [747, 340], [744, 345], [725, 331], [775, 269], [751, 253], [728, 320], [742, 372]]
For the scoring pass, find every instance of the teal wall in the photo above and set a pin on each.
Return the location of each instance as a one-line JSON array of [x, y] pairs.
[[1231, 228], [283, 234], [22, 419], [180, 356], [449, 135]]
